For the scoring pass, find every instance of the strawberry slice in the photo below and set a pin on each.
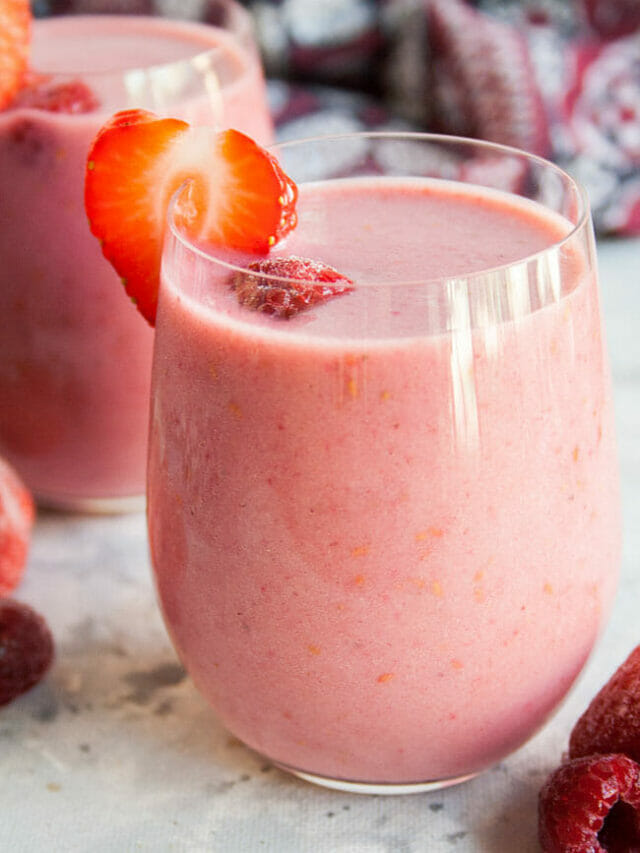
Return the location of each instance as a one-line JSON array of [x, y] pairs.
[[15, 32], [238, 196]]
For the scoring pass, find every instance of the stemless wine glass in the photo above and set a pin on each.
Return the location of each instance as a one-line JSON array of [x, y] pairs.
[[385, 530], [75, 357]]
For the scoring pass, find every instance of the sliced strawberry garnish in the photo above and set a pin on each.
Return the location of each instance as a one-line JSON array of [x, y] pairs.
[[238, 195], [73, 96], [285, 286], [15, 31]]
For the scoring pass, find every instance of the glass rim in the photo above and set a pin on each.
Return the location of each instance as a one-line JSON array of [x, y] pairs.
[[200, 55], [582, 219]]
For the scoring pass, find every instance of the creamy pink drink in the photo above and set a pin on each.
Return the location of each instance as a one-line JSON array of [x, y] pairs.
[[75, 357], [386, 531]]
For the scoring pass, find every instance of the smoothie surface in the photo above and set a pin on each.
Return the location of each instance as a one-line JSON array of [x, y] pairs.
[[86, 44], [402, 242], [394, 230]]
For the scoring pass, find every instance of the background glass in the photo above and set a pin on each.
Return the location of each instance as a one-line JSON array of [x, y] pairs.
[[75, 356]]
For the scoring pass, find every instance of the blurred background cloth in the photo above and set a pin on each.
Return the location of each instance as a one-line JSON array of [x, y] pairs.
[[560, 78]]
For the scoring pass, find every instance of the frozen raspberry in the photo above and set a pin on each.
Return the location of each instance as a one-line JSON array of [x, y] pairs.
[[591, 804], [286, 286], [71, 97], [26, 649], [16, 519], [611, 723]]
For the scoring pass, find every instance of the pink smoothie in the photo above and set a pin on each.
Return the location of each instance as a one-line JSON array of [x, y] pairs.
[[75, 356], [385, 542]]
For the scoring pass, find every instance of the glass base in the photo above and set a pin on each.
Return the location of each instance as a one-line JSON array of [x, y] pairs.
[[377, 788], [93, 506]]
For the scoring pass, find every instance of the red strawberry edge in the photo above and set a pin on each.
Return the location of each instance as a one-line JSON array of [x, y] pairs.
[[15, 39], [17, 513]]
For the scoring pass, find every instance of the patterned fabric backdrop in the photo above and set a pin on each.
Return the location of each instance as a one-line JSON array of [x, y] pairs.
[[560, 78]]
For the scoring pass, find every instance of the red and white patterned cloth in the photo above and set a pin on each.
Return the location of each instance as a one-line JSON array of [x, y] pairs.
[[560, 78]]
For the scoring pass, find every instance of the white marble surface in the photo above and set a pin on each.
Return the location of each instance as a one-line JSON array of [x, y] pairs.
[[116, 751]]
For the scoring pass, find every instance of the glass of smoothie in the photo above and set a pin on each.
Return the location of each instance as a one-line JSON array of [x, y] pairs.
[[75, 361], [385, 528]]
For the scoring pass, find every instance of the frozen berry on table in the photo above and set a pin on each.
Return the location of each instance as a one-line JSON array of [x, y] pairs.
[[284, 286], [611, 723], [15, 32], [26, 649], [237, 194], [17, 513], [591, 804]]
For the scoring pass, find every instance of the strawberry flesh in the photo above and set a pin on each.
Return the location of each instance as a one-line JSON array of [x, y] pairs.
[[591, 804], [16, 520], [15, 32], [285, 286], [71, 97], [119, 169], [611, 723], [26, 649], [234, 194]]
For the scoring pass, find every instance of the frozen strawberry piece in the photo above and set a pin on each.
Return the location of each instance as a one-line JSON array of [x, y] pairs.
[[611, 723], [237, 195], [284, 286], [16, 520], [591, 804], [26, 649], [72, 97], [15, 32]]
